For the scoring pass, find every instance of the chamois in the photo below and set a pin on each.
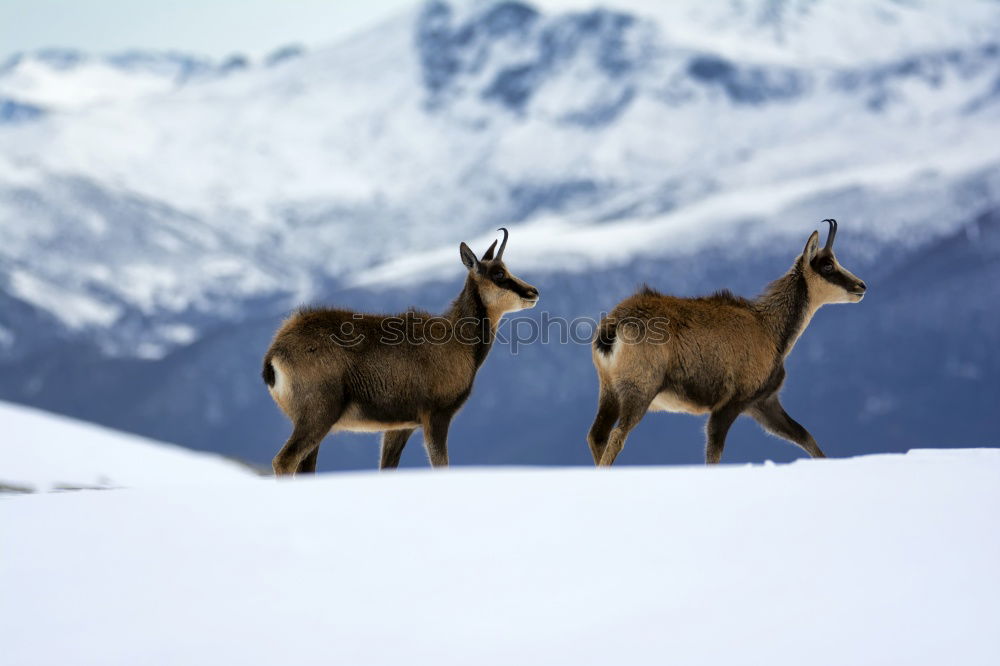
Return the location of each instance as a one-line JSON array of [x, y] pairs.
[[721, 355], [331, 369]]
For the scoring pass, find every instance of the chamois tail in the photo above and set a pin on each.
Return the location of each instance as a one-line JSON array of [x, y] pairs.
[[607, 333], [268, 371]]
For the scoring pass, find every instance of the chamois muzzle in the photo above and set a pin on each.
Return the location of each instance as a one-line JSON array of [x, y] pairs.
[[529, 295]]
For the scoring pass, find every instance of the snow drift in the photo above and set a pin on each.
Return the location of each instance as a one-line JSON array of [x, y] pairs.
[[40, 451]]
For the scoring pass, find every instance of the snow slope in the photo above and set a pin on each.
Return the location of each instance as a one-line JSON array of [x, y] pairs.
[[876, 560], [42, 451]]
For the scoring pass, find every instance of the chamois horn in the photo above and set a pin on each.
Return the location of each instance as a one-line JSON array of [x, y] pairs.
[[502, 244], [832, 234]]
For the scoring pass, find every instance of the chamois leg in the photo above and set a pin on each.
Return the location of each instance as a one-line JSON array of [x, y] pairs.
[[773, 418], [312, 424], [607, 414], [718, 427], [308, 464], [393, 442], [305, 437], [633, 403], [435, 428]]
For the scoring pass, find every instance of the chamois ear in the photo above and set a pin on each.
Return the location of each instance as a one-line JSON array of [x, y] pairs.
[[488, 255], [468, 256], [812, 246]]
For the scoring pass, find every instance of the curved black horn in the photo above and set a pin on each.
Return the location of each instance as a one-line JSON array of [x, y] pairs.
[[833, 232], [502, 244]]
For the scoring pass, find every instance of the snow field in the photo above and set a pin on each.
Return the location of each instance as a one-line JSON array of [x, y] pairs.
[[876, 560]]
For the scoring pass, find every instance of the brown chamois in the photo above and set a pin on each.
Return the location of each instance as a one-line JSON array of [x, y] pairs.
[[721, 355], [332, 370]]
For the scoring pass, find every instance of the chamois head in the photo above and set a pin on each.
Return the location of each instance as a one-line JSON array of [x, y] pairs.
[[500, 290], [828, 281]]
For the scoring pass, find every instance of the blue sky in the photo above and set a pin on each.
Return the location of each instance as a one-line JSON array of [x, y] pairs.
[[212, 27]]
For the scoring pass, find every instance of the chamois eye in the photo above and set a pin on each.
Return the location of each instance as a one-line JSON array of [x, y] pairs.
[[499, 275], [827, 268]]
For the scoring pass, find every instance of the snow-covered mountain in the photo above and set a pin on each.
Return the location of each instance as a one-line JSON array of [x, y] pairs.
[[150, 243], [870, 561]]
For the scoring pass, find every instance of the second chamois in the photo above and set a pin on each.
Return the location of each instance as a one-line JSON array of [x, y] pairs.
[[721, 355]]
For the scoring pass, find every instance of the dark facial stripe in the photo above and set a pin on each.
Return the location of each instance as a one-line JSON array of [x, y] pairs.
[[837, 276], [507, 282], [516, 287]]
